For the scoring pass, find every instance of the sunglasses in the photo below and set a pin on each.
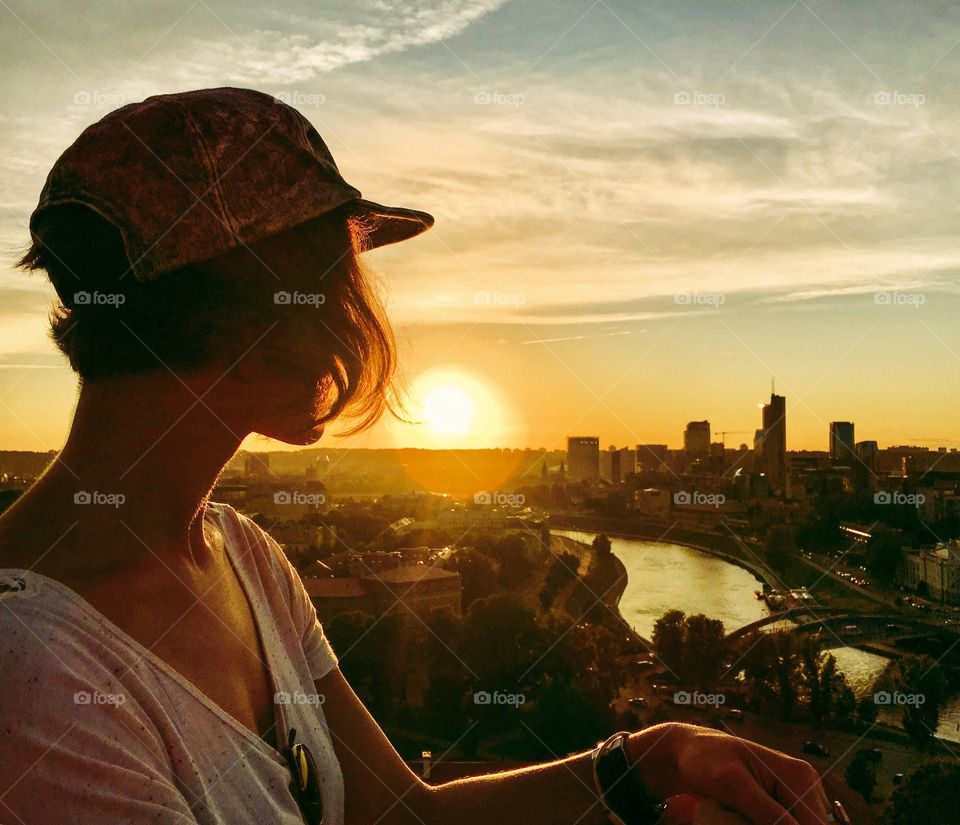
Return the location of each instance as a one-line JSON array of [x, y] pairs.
[[306, 780]]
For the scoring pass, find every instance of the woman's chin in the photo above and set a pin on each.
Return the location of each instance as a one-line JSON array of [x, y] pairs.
[[301, 436]]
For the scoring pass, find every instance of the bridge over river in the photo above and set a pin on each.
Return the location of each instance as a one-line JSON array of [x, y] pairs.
[[844, 629]]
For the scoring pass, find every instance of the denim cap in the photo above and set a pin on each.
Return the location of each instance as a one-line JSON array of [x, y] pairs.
[[189, 176]]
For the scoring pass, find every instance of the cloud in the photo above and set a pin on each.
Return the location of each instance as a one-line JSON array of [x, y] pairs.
[[315, 44]]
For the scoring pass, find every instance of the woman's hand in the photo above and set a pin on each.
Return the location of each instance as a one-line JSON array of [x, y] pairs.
[[710, 813], [762, 785]]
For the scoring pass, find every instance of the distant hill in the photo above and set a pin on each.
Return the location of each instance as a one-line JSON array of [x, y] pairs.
[[401, 471], [24, 462]]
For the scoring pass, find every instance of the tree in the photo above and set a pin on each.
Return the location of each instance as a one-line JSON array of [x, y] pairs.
[[477, 574], [8, 497], [704, 649], [884, 553], [501, 641], [772, 668], [846, 704], [927, 797], [515, 564], [668, 635], [370, 650], [825, 688], [917, 684], [867, 710], [601, 546], [861, 773]]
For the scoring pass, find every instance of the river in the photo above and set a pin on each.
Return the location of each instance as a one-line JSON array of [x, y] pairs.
[[662, 577]]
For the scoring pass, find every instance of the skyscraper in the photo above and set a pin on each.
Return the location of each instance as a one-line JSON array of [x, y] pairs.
[[696, 438], [842, 445], [583, 458], [771, 443], [652, 458], [869, 455]]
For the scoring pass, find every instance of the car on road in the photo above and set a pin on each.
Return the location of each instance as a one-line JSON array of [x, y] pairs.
[[735, 713], [815, 748], [637, 702]]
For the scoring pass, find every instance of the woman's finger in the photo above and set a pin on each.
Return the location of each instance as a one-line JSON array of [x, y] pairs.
[[800, 788], [794, 783], [751, 800]]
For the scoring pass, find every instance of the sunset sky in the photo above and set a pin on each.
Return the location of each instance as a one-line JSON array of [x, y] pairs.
[[645, 211]]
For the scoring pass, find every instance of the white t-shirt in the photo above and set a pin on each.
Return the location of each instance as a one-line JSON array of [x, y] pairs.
[[94, 728]]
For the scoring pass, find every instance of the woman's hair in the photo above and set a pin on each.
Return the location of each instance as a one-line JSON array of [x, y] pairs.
[[301, 297]]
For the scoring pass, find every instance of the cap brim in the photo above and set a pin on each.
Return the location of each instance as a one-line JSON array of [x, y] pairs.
[[390, 224]]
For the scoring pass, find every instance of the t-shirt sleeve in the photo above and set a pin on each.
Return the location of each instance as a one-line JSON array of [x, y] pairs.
[[72, 753], [320, 656]]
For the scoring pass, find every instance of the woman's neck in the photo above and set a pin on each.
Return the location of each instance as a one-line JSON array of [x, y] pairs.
[[141, 458]]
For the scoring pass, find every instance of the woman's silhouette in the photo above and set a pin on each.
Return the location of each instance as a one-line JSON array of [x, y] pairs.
[[206, 253]]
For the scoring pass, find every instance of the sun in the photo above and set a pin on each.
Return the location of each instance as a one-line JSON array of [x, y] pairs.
[[455, 408], [447, 410]]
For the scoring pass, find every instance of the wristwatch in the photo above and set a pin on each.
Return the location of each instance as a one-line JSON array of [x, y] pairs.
[[623, 793]]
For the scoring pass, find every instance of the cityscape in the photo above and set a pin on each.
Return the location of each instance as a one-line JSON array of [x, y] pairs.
[[849, 555], [446, 412]]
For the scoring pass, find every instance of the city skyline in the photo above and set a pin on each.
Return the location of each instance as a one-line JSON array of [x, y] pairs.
[[643, 212]]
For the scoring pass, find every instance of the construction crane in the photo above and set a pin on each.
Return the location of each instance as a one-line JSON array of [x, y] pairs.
[[724, 433]]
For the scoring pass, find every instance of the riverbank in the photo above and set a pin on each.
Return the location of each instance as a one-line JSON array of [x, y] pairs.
[[729, 547], [704, 542], [606, 578], [654, 573]]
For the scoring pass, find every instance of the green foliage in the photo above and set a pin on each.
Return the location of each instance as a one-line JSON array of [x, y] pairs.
[[370, 654], [789, 673], [501, 640], [515, 563], [601, 546], [927, 797], [867, 710], [477, 573], [668, 633], [704, 650], [920, 682], [692, 647], [861, 772], [884, 554]]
